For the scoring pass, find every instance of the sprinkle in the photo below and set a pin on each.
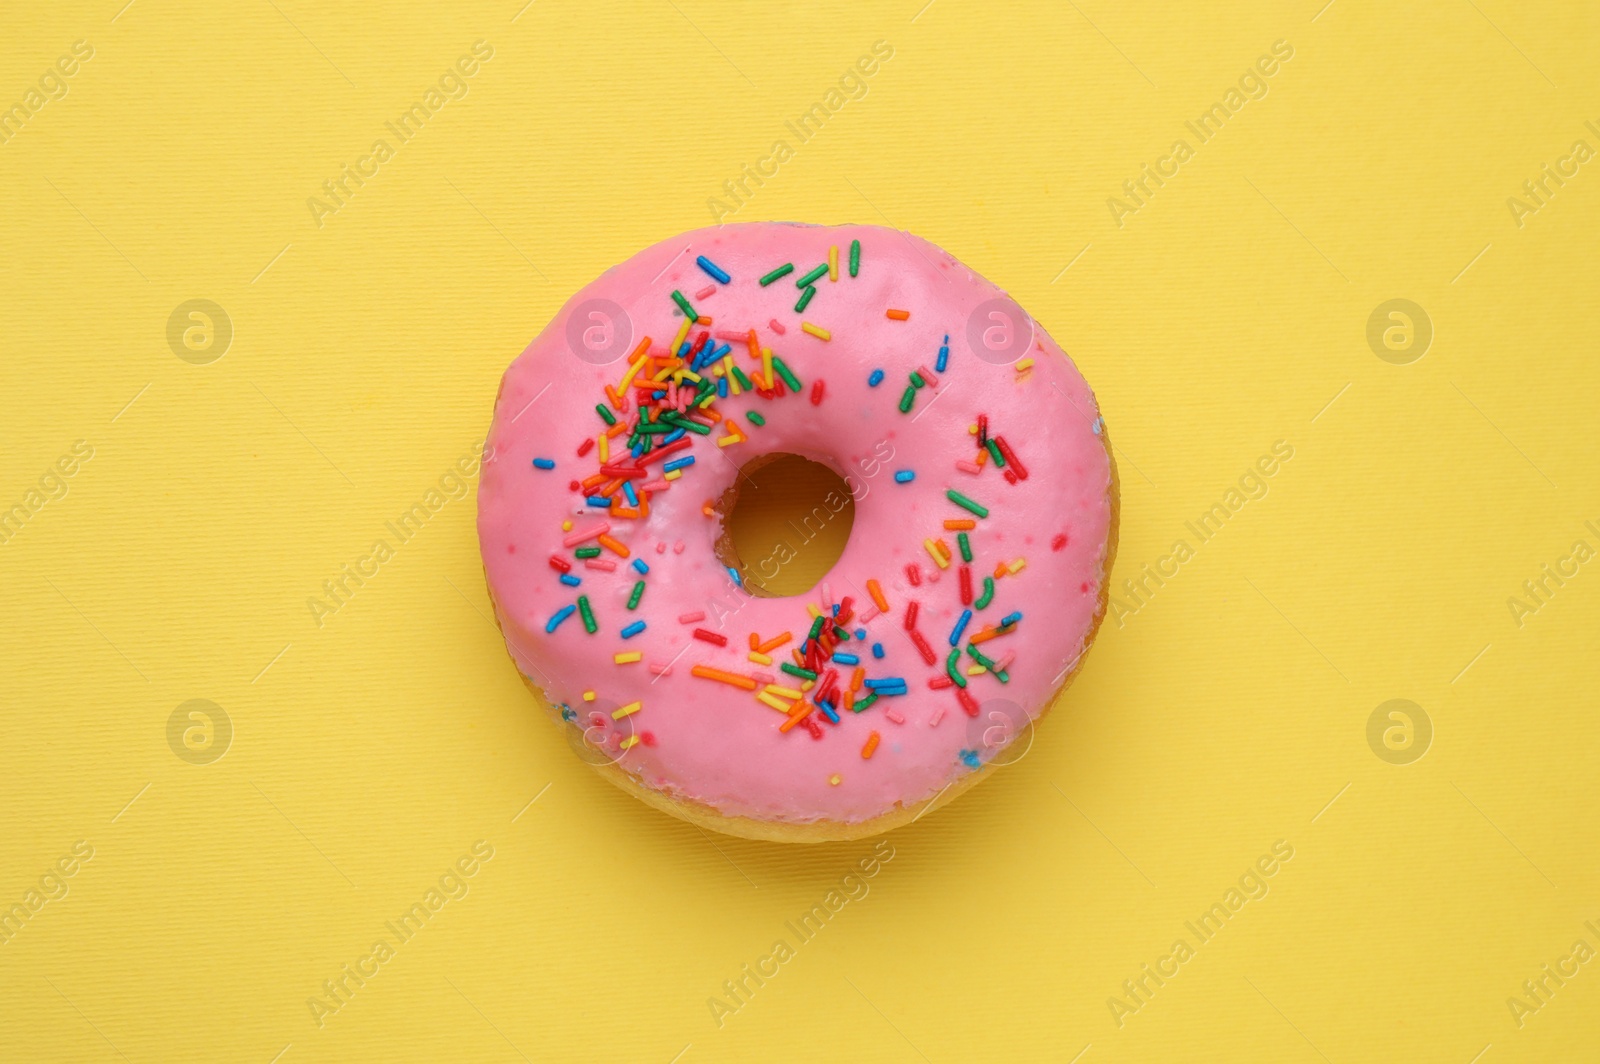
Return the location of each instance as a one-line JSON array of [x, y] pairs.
[[897, 315], [944, 355], [927, 377], [544, 463], [706, 292], [966, 503], [716, 272], [660, 669], [578, 537], [605, 414], [783, 371], [626, 711], [965, 545], [876, 378], [711, 637], [640, 567], [833, 263], [966, 585], [803, 710], [774, 701], [587, 552], [781, 271], [908, 397], [585, 447], [774, 643], [570, 580], [876, 591], [692, 618], [914, 575], [733, 679], [678, 463], [1011, 457], [812, 276], [904, 476], [759, 658], [614, 546], [1024, 365], [841, 658], [960, 524], [968, 467], [805, 299], [988, 594], [817, 389], [933, 549], [683, 305], [630, 742], [795, 670], [855, 257], [960, 627], [638, 593], [589, 624], [816, 330], [627, 657], [834, 779], [755, 418], [556, 618], [600, 564], [872, 744], [588, 696], [1016, 566], [560, 565], [950, 669], [923, 648]]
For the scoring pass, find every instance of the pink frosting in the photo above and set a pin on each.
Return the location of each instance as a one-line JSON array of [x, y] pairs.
[[717, 744]]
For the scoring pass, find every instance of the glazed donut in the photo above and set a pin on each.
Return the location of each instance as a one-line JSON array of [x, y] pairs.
[[972, 583]]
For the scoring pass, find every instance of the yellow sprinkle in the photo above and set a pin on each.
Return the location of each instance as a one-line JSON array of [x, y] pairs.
[[760, 658], [976, 670], [834, 779], [1016, 566], [972, 430], [774, 701], [723, 441], [692, 376], [816, 330], [588, 696], [808, 685], [727, 371], [604, 447], [663, 373], [674, 475], [627, 658], [833, 263], [933, 552], [1025, 364], [633, 370], [683, 330], [630, 742], [766, 364], [812, 607], [784, 692], [626, 711], [566, 526]]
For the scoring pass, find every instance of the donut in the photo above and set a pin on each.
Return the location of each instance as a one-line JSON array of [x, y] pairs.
[[972, 583]]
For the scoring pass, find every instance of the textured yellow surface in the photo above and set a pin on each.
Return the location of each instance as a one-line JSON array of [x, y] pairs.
[[1226, 708]]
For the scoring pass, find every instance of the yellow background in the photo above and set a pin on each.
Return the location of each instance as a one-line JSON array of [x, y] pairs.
[[1228, 313]]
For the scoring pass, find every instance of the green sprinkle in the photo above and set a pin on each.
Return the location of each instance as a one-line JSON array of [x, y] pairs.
[[676, 420], [755, 418], [994, 452], [783, 371], [638, 593], [965, 545], [855, 257], [795, 670], [786, 268], [816, 629], [707, 400], [605, 414], [653, 428], [977, 655], [683, 305], [988, 594], [805, 299], [744, 382], [840, 634], [865, 703], [587, 552], [812, 276], [908, 398], [916, 379], [951, 670], [588, 615], [965, 503]]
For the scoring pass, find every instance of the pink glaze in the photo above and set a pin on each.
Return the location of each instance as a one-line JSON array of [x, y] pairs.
[[717, 744]]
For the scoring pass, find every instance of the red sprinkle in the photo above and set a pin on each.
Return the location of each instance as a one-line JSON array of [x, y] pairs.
[[560, 565], [711, 637], [911, 615], [777, 327], [811, 726], [966, 585], [1011, 457], [939, 683], [983, 429], [923, 648], [1011, 478], [585, 447], [817, 388], [968, 703], [914, 575], [1059, 542]]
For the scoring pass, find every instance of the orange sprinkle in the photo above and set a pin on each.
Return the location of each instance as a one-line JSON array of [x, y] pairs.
[[872, 744], [878, 600], [614, 546], [962, 524], [774, 643], [857, 676], [897, 315], [706, 672], [755, 641], [796, 718], [618, 429], [850, 700], [988, 634]]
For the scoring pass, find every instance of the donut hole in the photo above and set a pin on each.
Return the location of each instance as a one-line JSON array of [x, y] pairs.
[[785, 522]]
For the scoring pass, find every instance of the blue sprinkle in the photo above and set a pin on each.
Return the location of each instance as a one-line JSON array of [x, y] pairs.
[[876, 378], [636, 450], [861, 633], [971, 758], [678, 463], [961, 626], [640, 566], [721, 351], [673, 437], [904, 476], [737, 579], [891, 681], [570, 580], [544, 463], [827, 711], [556, 618], [722, 387], [944, 355], [633, 629], [627, 489], [600, 501], [877, 650], [841, 658], [718, 274], [1011, 618]]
